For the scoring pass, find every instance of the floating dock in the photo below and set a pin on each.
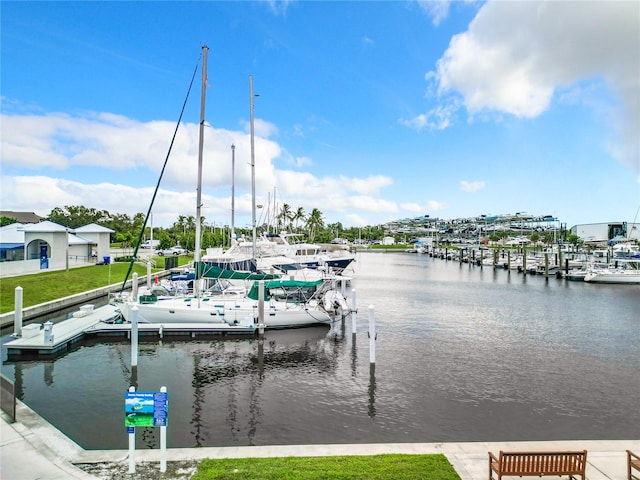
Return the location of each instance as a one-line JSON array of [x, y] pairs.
[[50, 340]]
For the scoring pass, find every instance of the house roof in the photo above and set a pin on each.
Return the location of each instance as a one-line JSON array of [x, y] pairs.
[[93, 228], [45, 227], [12, 234], [21, 217], [78, 240]]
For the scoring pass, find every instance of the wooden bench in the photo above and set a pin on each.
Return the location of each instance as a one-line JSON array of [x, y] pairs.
[[633, 463], [538, 464]]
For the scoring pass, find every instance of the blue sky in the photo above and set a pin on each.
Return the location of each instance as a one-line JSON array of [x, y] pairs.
[[368, 111]]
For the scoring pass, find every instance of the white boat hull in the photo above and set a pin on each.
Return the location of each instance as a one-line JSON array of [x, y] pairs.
[[610, 276], [227, 312]]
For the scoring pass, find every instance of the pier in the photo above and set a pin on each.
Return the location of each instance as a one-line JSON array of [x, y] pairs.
[[50, 340]]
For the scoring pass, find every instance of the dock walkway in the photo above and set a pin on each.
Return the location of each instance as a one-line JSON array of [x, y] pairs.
[[99, 322], [36, 339]]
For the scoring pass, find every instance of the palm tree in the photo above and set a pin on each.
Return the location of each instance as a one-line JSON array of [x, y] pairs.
[[535, 237], [284, 216], [314, 223], [299, 216]]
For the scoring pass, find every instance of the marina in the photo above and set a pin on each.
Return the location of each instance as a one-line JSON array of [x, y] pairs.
[[463, 354]]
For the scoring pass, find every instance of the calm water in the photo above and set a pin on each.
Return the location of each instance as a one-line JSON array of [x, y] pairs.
[[462, 354]]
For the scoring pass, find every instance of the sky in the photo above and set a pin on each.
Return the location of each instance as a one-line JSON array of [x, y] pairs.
[[368, 111]]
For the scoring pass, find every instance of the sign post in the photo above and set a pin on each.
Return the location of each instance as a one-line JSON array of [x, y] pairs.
[[132, 439], [146, 409], [163, 430]]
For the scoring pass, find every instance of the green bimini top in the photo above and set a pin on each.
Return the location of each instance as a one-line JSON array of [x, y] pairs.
[[296, 285]]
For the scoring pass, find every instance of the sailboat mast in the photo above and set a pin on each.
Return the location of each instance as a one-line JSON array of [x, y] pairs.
[[198, 247], [253, 169], [233, 193]]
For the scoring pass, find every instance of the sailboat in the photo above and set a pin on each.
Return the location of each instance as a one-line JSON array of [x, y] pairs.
[[286, 303]]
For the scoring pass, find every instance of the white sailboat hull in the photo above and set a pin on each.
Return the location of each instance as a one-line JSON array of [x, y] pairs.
[[243, 313]]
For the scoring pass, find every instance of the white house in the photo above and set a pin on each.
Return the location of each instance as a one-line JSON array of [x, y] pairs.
[[28, 248], [99, 236]]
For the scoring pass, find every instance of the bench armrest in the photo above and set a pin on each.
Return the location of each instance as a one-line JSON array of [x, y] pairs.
[[492, 457]]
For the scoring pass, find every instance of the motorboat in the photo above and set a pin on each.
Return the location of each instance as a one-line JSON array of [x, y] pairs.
[[278, 253], [622, 271]]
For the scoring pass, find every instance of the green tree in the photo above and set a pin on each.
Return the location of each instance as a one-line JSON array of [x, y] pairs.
[[535, 237], [314, 223], [547, 238], [299, 216], [126, 239], [284, 217], [76, 216], [574, 240], [336, 229], [7, 221]]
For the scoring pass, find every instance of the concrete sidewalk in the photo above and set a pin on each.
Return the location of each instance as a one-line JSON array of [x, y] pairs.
[[32, 449]]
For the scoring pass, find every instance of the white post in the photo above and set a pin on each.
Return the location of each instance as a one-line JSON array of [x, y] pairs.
[[261, 307], [132, 444], [134, 286], [163, 442], [134, 337], [343, 287], [372, 335], [17, 319], [354, 311], [48, 333], [148, 275]]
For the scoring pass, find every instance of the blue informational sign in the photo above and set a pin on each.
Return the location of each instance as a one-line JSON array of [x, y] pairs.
[[160, 409], [146, 409]]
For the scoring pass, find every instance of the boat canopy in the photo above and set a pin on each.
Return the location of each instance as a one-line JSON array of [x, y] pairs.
[[291, 288], [207, 270]]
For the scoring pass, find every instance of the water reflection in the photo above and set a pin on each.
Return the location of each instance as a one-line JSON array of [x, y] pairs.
[[372, 390]]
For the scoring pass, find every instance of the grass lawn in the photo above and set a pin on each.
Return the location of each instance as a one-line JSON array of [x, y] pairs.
[[51, 285], [375, 467]]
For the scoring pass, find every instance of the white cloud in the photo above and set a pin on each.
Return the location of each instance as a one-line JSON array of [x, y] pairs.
[[303, 185], [430, 207], [357, 220], [516, 55], [298, 130], [438, 118], [261, 128], [278, 7], [472, 186], [303, 162], [130, 155], [438, 10], [435, 206], [412, 207]]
